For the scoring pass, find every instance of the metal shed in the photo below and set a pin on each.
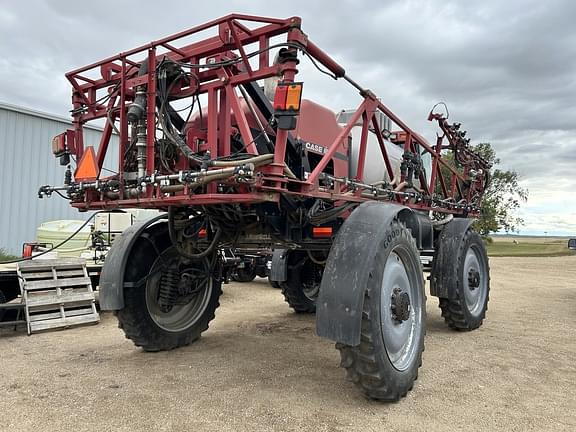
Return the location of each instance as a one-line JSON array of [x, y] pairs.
[[26, 163]]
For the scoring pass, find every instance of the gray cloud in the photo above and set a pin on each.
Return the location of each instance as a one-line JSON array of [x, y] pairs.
[[506, 69]]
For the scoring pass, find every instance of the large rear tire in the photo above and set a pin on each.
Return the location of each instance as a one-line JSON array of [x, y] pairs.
[[274, 284], [245, 274], [466, 308], [2, 300], [144, 319], [385, 364], [302, 285]]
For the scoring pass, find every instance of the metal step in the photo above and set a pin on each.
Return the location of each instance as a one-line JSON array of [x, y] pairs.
[[426, 258], [12, 323], [12, 306], [56, 294], [11, 319]]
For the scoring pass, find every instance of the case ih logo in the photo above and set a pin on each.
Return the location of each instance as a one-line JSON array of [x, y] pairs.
[[316, 148]]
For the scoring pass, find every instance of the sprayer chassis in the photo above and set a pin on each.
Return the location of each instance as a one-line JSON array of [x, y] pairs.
[[240, 174]]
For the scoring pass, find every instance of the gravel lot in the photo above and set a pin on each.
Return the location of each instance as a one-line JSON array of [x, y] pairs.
[[260, 367]]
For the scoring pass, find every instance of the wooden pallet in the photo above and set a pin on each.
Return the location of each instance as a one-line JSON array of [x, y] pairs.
[[57, 293]]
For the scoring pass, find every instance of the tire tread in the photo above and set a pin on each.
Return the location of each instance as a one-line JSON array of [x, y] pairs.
[[453, 309], [361, 362]]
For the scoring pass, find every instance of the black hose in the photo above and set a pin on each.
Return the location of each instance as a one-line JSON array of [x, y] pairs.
[[205, 252], [57, 246], [197, 256], [316, 217]]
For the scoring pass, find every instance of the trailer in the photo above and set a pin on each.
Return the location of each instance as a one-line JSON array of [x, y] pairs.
[[58, 242], [48, 294], [353, 201]]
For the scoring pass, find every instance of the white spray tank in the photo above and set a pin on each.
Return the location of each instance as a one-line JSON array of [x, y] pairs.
[[375, 168]]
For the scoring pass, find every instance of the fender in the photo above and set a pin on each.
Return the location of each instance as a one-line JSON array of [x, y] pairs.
[[341, 298], [279, 269], [111, 290], [443, 269]]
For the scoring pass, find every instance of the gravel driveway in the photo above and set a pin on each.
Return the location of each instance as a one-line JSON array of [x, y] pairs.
[[260, 367]]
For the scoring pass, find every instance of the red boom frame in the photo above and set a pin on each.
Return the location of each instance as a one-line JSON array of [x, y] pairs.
[[450, 190]]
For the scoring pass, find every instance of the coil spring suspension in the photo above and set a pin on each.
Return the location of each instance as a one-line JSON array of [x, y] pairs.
[[311, 276], [308, 274], [168, 292]]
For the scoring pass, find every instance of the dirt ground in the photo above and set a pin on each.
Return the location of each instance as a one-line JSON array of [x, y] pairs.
[[260, 367]]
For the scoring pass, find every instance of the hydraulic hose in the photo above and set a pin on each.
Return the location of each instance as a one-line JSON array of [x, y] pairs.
[[203, 180], [256, 160], [444, 221], [78, 249], [66, 240], [197, 256]]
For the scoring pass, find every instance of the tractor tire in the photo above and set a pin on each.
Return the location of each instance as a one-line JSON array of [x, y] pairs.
[[273, 284], [302, 285], [385, 364], [466, 308], [246, 274], [2, 300], [142, 319]]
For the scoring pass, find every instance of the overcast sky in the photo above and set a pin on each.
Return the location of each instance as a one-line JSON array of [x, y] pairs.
[[506, 69]]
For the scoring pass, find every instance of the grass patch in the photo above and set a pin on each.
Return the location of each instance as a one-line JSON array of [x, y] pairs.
[[5, 256], [528, 247]]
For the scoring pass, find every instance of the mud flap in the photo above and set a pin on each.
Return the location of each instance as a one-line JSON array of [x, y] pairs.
[[279, 267], [111, 289], [341, 297], [444, 271]]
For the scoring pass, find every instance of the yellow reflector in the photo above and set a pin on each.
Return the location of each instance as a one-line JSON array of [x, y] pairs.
[[293, 97], [87, 168]]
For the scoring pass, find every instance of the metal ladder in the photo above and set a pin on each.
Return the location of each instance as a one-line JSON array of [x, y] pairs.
[[56, 293], [11, 307]]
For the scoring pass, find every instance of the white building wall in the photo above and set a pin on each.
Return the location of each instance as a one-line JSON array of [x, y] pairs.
[[26, 163]]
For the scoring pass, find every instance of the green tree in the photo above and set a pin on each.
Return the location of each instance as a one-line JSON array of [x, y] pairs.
[[502, 198]]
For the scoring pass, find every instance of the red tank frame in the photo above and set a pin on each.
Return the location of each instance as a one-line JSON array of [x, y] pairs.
[[457, 191]]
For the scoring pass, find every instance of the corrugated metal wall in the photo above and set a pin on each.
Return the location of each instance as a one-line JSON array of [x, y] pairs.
[[26, 163]]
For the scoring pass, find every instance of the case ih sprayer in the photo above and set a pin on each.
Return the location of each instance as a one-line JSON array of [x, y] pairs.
[[354, 203]]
